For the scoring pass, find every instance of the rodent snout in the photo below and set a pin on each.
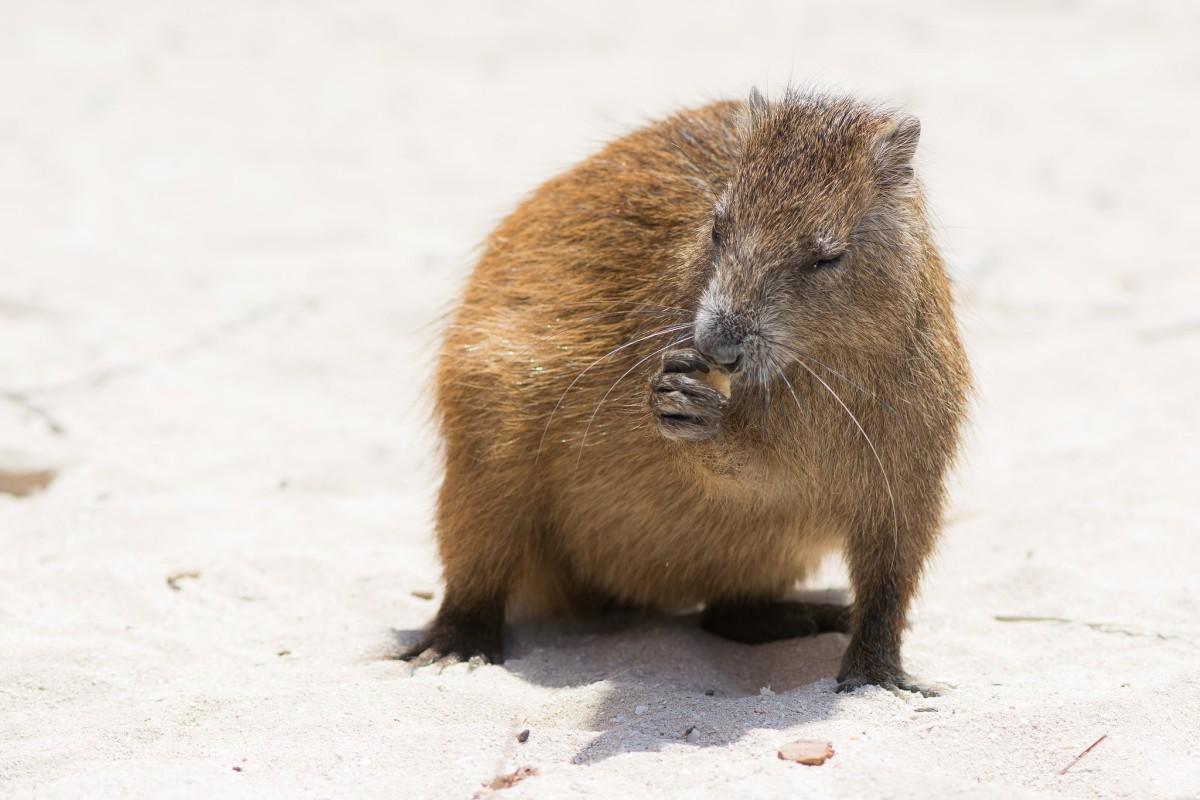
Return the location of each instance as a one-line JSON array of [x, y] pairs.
[[720, 345]]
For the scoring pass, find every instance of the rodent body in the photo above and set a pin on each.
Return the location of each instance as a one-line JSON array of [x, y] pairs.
[[588, 466]]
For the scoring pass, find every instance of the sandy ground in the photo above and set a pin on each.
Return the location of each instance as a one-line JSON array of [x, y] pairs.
[[226, 231]]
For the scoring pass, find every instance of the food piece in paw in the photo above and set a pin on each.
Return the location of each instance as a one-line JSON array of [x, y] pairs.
[[717, 378]]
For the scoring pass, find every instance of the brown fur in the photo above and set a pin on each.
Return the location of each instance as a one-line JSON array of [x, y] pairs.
[[566, 489]]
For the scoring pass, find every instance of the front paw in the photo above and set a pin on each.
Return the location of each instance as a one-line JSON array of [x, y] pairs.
[[864, 666], [685, 408], [857, 675], [893, 683]]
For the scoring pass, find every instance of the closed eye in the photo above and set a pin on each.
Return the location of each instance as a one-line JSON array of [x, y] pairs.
[[826, 262]]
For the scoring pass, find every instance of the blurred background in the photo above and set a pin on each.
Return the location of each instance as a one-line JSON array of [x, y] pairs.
[[301, 186], [228, 230]]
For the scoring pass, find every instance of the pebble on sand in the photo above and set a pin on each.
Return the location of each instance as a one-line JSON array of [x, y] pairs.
[[810, 753], [24, 482]]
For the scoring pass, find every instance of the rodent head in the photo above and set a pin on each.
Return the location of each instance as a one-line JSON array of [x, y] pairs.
[[817, 241]]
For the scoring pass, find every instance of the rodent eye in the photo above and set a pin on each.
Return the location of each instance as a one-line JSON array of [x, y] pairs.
[[717, 239], [826, 263]]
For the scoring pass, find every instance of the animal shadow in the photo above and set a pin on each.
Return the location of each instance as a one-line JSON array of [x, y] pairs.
[[665, 682]]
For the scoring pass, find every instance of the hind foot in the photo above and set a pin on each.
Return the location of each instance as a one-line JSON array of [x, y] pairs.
[[770, 621]]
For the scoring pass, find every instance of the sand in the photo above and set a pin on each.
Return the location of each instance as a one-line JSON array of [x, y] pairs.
[[228, 231]]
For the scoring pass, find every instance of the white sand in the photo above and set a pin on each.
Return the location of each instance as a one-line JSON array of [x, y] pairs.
[[226, 233]]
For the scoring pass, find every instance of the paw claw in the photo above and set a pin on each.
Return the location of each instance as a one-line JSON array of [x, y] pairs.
[[899, 685], [685, 359], [445, 647]]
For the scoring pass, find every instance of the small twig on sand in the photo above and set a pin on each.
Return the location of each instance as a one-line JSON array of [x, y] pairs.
[[22, 483], [1102, 627], [506, 781], [173, 580], [34, 409], [1075, 761]]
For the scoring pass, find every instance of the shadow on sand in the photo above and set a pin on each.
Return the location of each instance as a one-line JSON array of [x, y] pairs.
[[659, 676]]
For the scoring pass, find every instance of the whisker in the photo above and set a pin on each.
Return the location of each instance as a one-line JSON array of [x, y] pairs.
[[766, 399], [853, 383], [792, 389], [799, 407], [668, 330], [634, 303], [603, 314], [592, 419], [882, 470]]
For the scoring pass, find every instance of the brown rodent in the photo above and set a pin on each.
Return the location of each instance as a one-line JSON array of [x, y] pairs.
[[588, 465]]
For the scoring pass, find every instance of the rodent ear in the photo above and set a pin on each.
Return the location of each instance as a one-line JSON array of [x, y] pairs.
[[757, 104], [894, 151]]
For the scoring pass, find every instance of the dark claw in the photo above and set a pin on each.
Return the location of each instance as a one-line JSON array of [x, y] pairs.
[[896, 683], [686, 408], [687, 359], [449, 644]]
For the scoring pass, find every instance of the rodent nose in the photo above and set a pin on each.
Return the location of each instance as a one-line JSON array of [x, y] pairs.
[[722, 352]]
